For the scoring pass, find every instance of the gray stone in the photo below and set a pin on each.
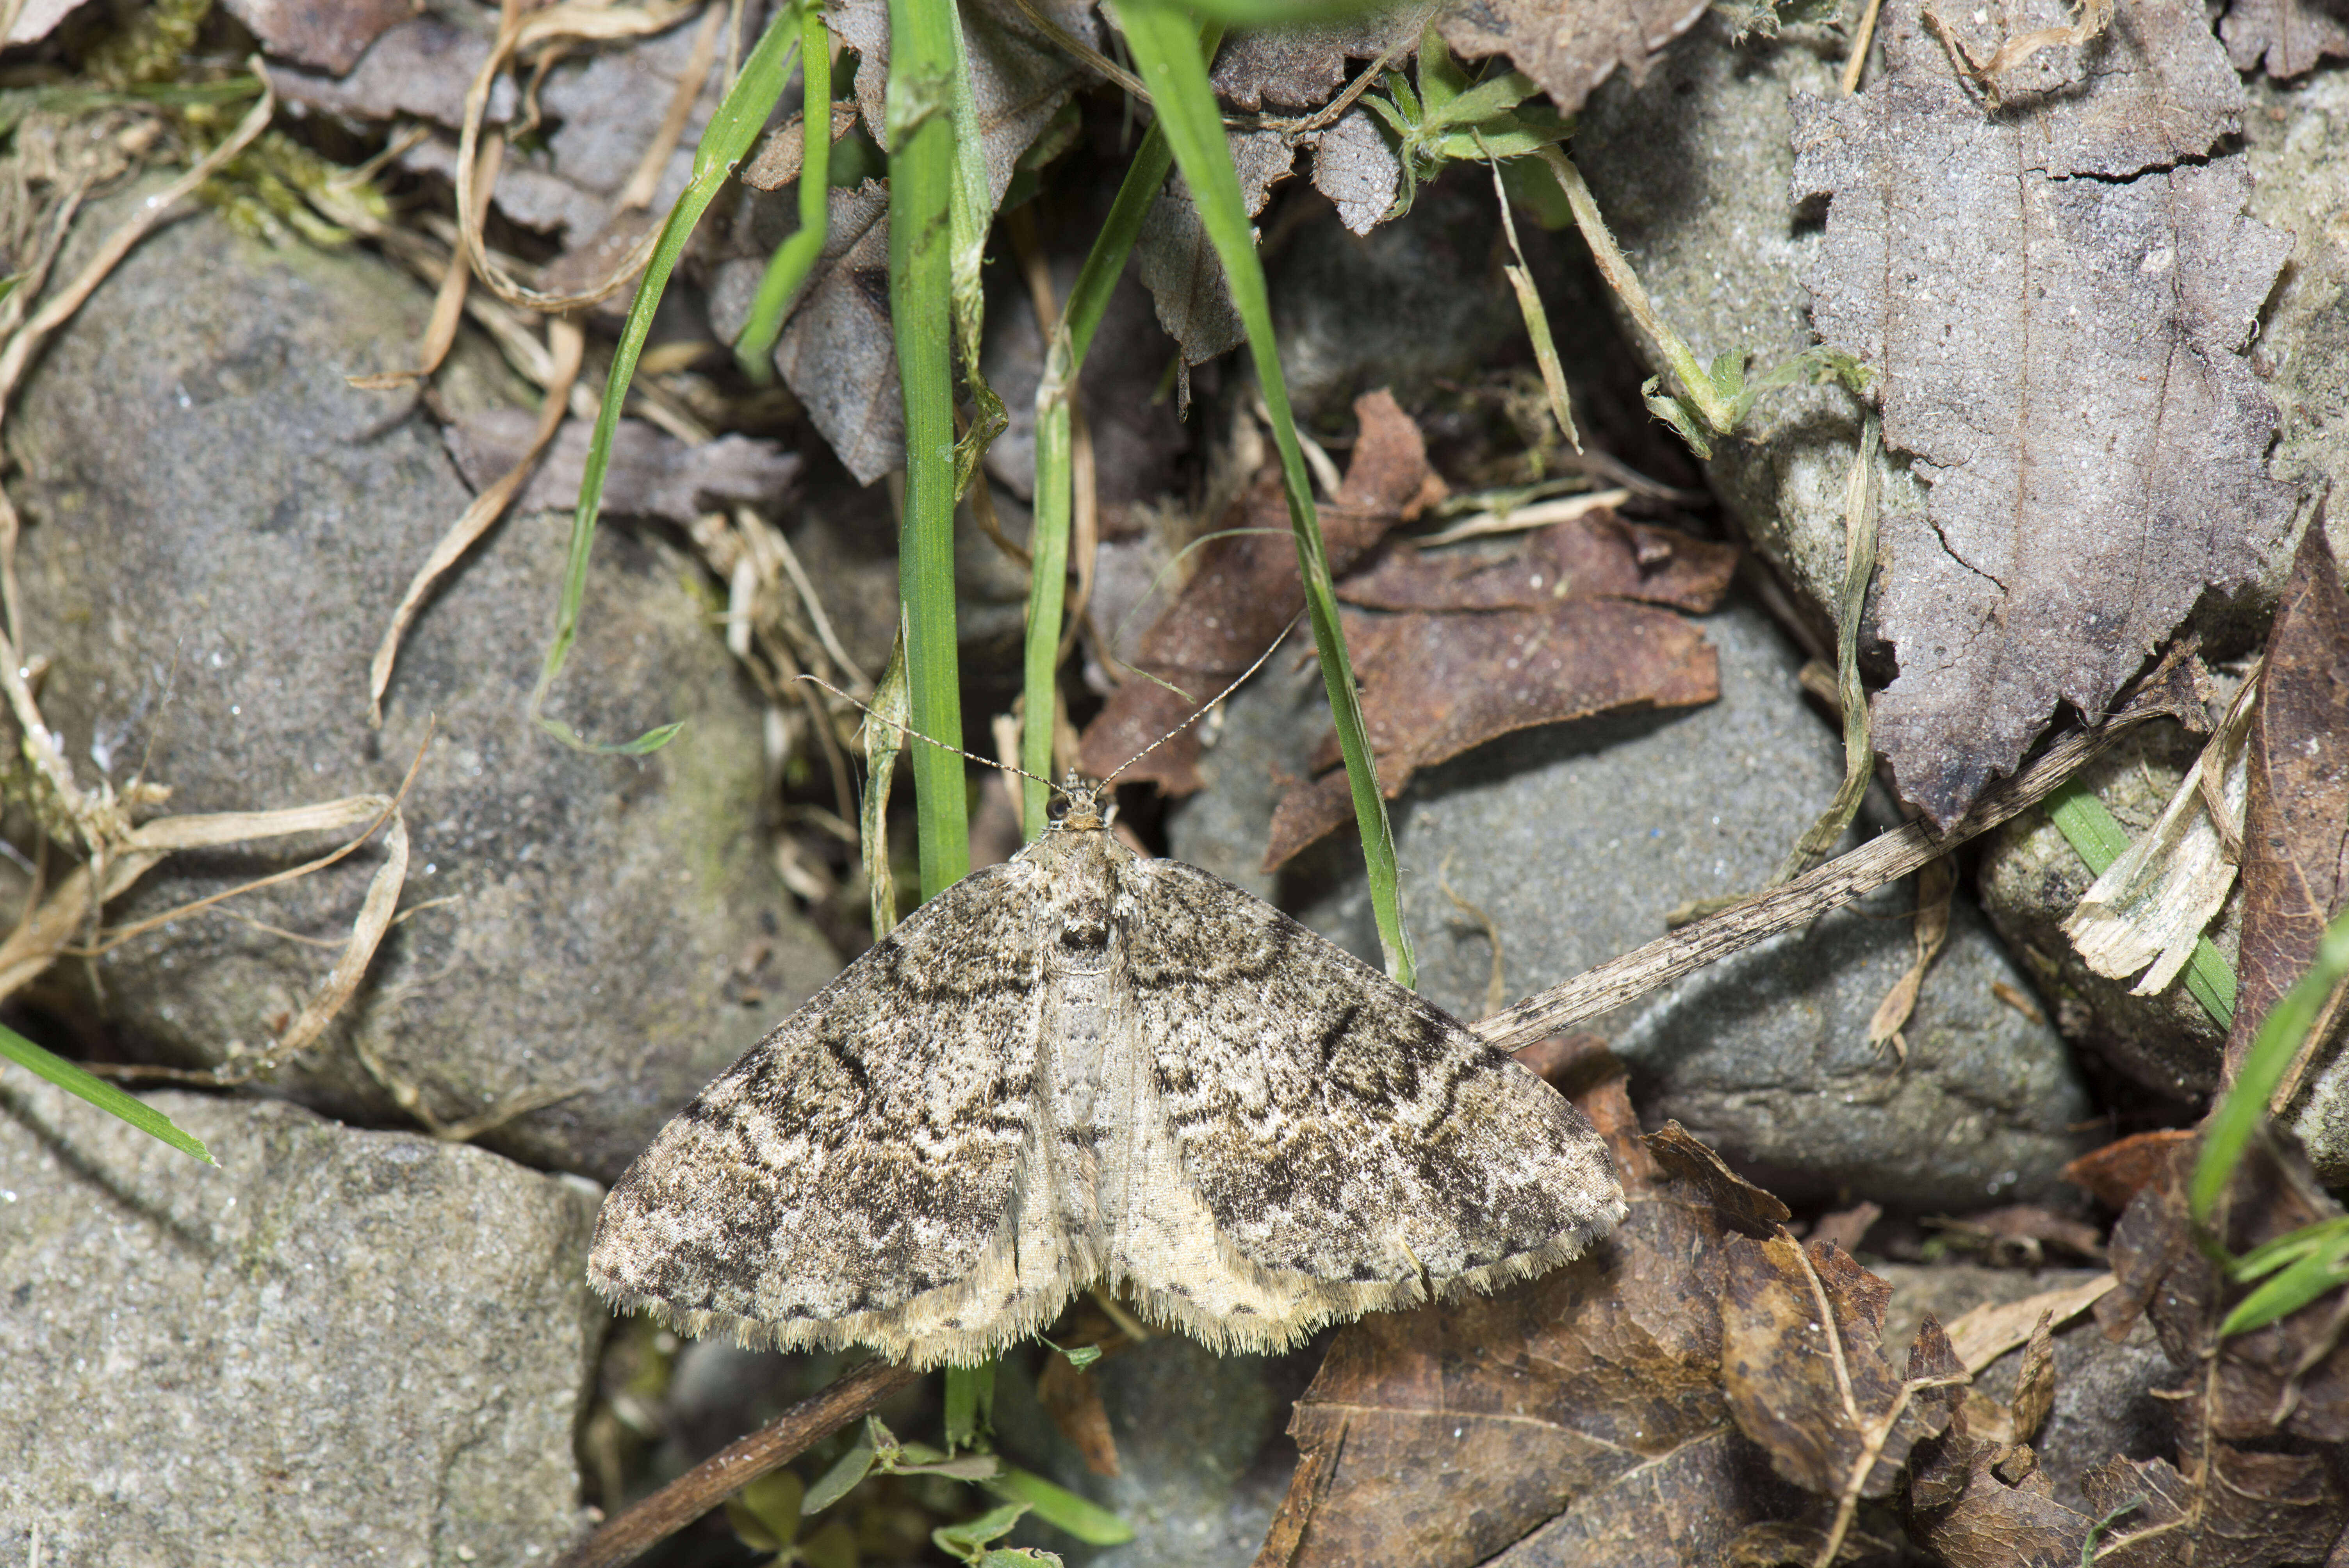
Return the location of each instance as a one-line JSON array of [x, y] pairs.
[[340, 1347], [1202, 1446], [2031, 879], [220, 528], [1691, 168], [2105, 1398], [1576, 839]]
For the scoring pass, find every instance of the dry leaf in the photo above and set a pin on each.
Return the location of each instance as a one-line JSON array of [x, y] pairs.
[[1577, 1418], [2062, 357], [1597, 555], [2290, 1376], [328, 34], [1569, 47], [1984, 1505], [1555, 634], [1244, 590], [1018, 77], [2117, 1172], [2015, 1236], [2283, 38], [1177, 262], [1355, 167], [421, 67], [1072, 1400], [1303, 67], [2297, 815], [1983, 1333], [2035, 1385], [776, 163], [652, 473], [1846, 1228], [838, 354], [1804, 1370], [2263, 1510]]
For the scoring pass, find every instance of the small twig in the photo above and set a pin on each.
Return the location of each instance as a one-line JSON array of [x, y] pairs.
[[805, 589], [705, 1485], [1804, 900], [639, 191], [1862, 38]]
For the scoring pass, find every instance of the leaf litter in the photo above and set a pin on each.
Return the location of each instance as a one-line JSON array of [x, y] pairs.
[[2055, 299]]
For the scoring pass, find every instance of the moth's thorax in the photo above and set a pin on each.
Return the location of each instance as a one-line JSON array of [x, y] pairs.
[[1080, 896]]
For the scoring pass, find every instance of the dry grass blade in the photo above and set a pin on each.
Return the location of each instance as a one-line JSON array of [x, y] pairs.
[[1804, 900], [568, 344], [575, 22], [448, 300], [1518, 520], [1936, 885], [639, 191]]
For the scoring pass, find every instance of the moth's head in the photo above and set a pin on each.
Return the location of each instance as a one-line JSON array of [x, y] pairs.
[[1077, 807]]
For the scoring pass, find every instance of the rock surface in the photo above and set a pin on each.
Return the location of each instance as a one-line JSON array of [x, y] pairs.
[[1576, 839], [340, 1347], [220, 528]]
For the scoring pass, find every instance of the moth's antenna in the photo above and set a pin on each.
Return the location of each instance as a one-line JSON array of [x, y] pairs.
[[917, 735], [1210, 703]]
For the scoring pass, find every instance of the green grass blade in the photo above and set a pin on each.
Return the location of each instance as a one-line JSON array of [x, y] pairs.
[[16, 1048], [724, 142], [971, 1403], [796, 256], [1080, 1517], [1165, 45], [2099, 839], [1048, 577], [2321, 1268], [922, 55], [2273, 1048]]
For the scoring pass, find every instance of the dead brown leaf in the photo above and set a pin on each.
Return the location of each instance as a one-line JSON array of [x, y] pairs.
[[1303, 67], [1018, 77], [2289, 1378], [1597, 555], [328, 34], [1577, 1418], [2296, 820], [420, 67], [1803, 1367], [2062, 357], [1846, 1228], [2019, 1235], [1569, 47], [2245, 1510], [2283, 38], [2117, 1172], [838, 353], [1072, 1400], [652, 473], [1435, 685], [1984, 1333], [1245, 591], [1988, 1505], [1357, 169], [1177, 262]]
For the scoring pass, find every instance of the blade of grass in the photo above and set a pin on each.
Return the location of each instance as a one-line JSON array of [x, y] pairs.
[[2099, 839], [884, 736], [923, 49], [724, 142], [796, 256], [1165, 45], [16, 1048], [2274, 1049], [1055, 453]]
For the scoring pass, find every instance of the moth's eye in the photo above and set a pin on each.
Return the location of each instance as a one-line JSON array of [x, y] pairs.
[[1057, 808]]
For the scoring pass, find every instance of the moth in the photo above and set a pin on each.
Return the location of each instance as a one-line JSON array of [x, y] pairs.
[[1086, 1068]]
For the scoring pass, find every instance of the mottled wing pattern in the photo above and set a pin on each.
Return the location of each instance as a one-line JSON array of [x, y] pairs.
[[1340, 1127], [860, 1156]]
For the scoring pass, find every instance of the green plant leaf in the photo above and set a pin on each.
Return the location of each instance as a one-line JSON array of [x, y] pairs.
[[766, 1513], [741, 117], [74, 1080], [798, 254], [923, 48], [971, 1403], [1165, 46], [839, 1480], [1064, 1509], [2315, 1264], [969, 1539], [1440, 79]]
